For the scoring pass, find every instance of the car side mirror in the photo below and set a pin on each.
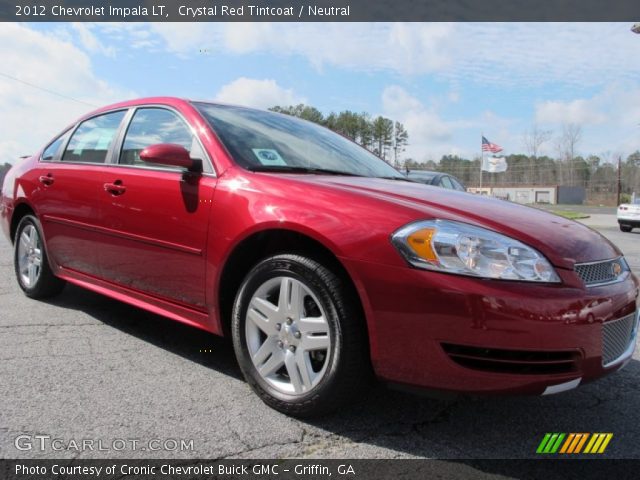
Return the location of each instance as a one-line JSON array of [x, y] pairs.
[[171, 155]]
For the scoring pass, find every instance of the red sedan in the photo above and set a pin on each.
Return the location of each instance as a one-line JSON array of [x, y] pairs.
[[324, 264]]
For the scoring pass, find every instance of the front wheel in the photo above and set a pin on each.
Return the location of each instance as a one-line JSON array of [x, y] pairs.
[[30, 261], [299, 337], [626, 228]]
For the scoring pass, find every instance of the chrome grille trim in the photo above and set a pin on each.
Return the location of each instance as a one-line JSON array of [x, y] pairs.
[[619, 339], [595, 274]]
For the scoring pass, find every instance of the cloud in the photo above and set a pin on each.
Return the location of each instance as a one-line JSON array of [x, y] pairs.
[[609, 118], [453, 96], [90, 42], [410, 48], [32, 116], [587, 54], [184, 38], [579, 111], [396, 100], [584, 54], [429, 134], [257, 93], [432, 134]]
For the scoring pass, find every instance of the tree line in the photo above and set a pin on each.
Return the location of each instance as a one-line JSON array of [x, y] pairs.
[[382, 136], [598, 174]]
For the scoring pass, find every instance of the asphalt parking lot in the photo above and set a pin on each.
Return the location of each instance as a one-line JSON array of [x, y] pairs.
[[82, 366]]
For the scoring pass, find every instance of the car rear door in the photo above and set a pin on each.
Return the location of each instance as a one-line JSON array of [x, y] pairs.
[[71, 181], [157, 217]]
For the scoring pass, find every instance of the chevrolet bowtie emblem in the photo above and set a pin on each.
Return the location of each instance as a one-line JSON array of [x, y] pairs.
[[616, 268]]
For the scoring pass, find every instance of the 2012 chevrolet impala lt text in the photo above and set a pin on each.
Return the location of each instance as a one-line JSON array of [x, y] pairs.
[[325, 265]]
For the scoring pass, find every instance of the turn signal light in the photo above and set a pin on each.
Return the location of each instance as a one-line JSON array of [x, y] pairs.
[[420, 242]]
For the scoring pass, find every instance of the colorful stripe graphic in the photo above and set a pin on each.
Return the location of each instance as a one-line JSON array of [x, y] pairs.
[[553, 443]]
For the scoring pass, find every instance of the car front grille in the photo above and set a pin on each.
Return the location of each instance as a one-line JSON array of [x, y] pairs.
[[600, 273], [617, 336], [513, 361]]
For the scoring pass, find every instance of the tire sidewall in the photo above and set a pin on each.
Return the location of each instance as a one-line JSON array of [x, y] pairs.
[[286, 266]]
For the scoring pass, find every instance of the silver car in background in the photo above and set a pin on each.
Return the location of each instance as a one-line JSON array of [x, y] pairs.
[[629, 215]]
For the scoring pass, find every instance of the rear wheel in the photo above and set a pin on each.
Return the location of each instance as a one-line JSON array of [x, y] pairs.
[[31, 263], [298, 336], [626, 228]]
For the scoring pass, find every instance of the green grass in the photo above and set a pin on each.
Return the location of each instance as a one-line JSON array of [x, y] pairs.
[[570, 214]]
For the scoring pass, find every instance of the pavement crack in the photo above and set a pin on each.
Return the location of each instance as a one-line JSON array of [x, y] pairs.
[[443, 416], [248, 449]]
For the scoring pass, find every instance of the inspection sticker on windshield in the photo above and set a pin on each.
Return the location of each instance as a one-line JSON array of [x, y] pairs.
[[267, 156]]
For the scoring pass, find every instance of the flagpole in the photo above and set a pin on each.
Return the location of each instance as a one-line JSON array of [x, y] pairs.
[[481, 160]]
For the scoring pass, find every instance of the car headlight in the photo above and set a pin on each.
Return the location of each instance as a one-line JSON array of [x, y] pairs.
[[455, 247]]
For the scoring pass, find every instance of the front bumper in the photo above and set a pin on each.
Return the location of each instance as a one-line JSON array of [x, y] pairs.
[[630, 221], [436, 331]]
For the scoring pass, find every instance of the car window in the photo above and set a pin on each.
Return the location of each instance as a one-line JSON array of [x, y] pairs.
[[421, 177], [457, 185], [425, 180], [446, 182], [93, 138], [150, 126], [51, 151]]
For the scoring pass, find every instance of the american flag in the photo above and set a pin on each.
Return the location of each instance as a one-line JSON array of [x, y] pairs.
[[487, 146]]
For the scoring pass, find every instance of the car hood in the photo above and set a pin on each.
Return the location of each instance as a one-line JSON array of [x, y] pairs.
[[564, 242]]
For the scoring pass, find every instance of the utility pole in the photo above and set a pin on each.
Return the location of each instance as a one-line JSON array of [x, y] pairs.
[[619, 179]]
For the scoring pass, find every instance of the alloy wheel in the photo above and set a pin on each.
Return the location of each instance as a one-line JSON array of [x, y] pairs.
[[288, 335]]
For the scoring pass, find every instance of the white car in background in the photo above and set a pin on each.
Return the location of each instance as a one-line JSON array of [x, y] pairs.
[[629, 215]]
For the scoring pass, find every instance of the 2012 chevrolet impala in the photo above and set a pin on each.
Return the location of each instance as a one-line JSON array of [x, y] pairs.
[[324, 264]]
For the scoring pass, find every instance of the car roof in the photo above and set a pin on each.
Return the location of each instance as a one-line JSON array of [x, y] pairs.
[[162, 100], [143, 101]]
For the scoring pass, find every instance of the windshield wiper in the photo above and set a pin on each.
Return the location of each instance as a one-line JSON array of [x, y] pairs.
[[298, 169]]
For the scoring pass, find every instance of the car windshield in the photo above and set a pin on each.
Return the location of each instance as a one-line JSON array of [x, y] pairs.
[[267, 141]]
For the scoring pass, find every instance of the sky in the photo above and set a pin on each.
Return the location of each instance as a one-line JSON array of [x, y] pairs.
[[448, 83]]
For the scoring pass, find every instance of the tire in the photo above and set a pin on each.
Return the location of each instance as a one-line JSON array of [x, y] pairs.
[[311, 355], [626, 228], [31, 263]]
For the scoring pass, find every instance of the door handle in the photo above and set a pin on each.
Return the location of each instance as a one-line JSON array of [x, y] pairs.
[[46, 179], [115, 188]]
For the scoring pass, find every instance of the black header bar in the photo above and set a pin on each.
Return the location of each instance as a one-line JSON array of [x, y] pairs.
[[318, 10]]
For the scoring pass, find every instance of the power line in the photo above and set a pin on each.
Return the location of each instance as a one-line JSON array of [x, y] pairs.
[[47, 90]]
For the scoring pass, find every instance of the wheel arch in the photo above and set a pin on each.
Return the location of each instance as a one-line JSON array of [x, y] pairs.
[[20, 210], [272, 241]]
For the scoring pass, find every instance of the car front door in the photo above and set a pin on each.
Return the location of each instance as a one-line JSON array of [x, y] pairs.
[[71, 179], [157, 217]]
